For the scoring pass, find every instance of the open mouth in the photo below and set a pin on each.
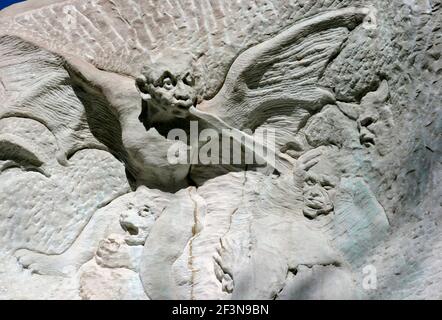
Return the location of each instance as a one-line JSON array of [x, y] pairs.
[[314, 203], [130, 228], [135, 237], [367, 140], [185, 104]]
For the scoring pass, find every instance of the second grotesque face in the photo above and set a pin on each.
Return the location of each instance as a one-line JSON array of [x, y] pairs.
[[169, 85], [375, 123], [317, 199], [137, 223], [319, 190]]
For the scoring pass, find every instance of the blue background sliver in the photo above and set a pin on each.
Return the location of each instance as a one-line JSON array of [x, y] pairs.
[[5, 3]]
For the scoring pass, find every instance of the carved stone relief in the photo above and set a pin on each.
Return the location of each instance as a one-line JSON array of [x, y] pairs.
[[93, 95]]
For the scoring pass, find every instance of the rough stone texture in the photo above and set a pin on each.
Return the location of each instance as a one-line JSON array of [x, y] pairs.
[[91, 208]]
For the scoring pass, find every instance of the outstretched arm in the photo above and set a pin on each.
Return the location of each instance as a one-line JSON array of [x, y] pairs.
[[103, 223], [119, 91]]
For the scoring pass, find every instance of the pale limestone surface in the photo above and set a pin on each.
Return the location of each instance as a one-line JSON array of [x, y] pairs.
[[91, 208]]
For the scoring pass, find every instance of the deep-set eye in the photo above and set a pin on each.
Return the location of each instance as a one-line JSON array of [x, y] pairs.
[[145, 212], [142, 214], [310, 182], [188, 80], [168, 83], [367, 121]]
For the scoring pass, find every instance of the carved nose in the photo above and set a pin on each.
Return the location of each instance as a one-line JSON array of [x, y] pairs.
[[314, 194], [124, 215]]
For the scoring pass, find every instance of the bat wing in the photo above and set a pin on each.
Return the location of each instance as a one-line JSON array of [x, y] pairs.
[[282, 73], [35, 84]]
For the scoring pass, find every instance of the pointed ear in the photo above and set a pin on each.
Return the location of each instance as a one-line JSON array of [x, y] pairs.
[[141, 83], [201, 74]]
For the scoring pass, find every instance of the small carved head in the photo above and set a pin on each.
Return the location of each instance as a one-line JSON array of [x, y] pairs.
[[136, 221], [375, 122], [168, 83], [319, 190]]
